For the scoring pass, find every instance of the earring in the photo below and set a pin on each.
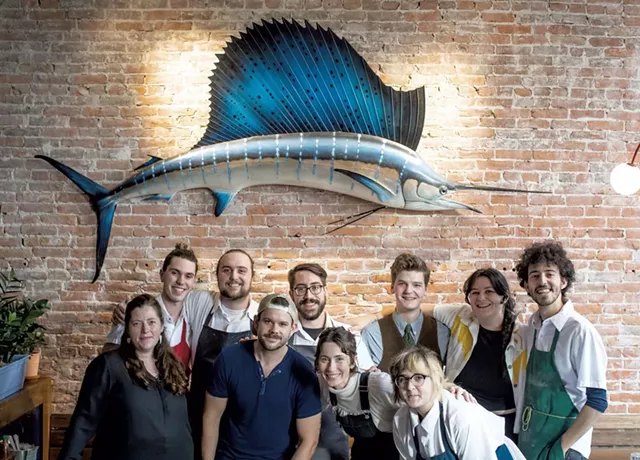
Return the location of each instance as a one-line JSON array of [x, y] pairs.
[[128, 339], [160, 338]]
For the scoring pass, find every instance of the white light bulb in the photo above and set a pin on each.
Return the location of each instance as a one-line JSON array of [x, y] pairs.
[[625, 179]]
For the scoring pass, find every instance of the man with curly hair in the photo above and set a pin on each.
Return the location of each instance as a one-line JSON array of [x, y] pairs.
[[565, 382]]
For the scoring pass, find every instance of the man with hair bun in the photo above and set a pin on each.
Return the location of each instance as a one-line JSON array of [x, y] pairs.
[[565, 381], [178, 276]]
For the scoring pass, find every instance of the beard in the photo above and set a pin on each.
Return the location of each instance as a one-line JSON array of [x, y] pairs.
[[314, 314], [272, 346], [236, 292], [547, 298]]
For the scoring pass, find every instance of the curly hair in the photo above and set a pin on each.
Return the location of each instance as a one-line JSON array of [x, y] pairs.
[[410, 263], [181, 251], [501, 286], [550, 253], [344, 339], [170, 369]]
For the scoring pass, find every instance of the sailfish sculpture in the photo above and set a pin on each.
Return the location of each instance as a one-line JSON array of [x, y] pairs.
[[292, 104]]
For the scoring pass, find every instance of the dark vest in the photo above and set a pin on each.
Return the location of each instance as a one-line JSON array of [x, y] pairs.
[[393, 343]]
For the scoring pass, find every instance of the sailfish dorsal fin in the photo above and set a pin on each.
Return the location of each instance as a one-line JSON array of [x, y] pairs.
[[284, 77]]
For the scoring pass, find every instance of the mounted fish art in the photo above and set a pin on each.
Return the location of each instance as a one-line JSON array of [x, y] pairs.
[[293, 105]]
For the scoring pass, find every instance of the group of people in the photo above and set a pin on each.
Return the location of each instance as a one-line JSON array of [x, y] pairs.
[[204, 375]]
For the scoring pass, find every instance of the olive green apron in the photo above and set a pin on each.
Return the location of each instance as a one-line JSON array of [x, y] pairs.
[[548, 409]]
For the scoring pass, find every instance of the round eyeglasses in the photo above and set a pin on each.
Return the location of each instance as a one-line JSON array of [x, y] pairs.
[[403, 382], [301, 289]]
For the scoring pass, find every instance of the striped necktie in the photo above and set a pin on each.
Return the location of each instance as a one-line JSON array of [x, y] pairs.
[[408, 336]]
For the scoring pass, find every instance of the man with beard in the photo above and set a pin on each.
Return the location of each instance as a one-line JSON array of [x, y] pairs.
[[178, 276], [565, 381], [217, 320], [263, 399], [307, 288]]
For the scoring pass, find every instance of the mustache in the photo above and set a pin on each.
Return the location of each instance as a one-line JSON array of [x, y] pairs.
[[273, 336]]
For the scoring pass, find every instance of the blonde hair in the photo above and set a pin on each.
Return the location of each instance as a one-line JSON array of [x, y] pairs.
[[421, 360]]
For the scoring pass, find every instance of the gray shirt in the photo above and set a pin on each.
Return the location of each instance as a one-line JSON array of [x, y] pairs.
[[372, 337]]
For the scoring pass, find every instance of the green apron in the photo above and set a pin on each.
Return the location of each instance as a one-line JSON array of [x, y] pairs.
[[548, 409]]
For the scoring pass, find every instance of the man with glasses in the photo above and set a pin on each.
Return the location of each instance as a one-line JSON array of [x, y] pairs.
[[307, 284]]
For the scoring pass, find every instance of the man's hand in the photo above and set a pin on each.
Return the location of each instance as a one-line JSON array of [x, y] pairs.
[[373, 369], [117, 317], [244, 339]]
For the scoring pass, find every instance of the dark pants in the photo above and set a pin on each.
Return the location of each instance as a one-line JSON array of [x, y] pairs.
[[333, 443]]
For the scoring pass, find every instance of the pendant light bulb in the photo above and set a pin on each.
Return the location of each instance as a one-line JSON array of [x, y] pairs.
[[625, 179]]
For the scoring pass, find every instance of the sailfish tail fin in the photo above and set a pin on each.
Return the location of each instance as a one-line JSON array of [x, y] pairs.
[[101, 203]]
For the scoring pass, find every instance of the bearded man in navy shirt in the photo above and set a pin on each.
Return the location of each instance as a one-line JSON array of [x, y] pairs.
[[263, 402]]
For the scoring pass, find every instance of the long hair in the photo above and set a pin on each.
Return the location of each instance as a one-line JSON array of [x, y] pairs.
[[171, 373], [501, 286]]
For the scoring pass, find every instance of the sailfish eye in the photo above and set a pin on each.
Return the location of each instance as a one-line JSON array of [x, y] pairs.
[[443, 190]]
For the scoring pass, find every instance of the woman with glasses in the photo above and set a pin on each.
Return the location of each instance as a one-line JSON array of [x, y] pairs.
[[436, 425], [363, 402], [486, 352]]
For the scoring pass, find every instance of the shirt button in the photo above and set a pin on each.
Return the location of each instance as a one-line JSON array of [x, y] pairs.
[[509, 366]]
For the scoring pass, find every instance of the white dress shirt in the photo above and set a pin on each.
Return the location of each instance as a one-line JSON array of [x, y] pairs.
[[301, 339], [473, 432], [580, 358]]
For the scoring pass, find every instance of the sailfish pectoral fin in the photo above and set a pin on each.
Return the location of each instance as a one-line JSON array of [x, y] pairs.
[[383, 193], [223, 199]]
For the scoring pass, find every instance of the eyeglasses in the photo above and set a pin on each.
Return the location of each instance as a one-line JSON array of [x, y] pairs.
[[301, 289], [417, 379]]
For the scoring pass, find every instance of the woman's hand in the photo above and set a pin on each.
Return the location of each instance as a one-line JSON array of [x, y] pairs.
[[461, 393]]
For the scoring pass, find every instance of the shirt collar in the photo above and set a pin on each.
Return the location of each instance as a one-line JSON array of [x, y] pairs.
[[401, 323], [328, 322], [430, 422], [558, 320]]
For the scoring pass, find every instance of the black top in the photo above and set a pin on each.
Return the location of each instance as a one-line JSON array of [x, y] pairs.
[[130, 422], [314, 333], [483, 374]]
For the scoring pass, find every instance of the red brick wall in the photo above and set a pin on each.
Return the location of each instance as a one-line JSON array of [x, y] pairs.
[[529, 93]]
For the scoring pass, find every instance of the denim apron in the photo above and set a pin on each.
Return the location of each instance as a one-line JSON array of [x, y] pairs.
[[368, 442], [210, 344]]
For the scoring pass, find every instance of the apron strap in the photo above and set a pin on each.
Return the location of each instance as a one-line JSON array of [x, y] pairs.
[[214, 307], [443, 432], [333, 399], [364, 391]]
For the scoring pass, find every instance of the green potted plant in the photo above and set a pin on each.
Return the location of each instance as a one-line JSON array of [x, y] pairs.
[[20, 332]]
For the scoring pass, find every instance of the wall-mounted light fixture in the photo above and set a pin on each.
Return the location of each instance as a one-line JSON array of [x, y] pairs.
[[625, 178]]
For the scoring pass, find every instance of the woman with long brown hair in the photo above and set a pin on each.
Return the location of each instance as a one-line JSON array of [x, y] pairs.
[[133, 398]]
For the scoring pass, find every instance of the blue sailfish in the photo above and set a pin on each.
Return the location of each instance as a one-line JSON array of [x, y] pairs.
[[292, 104]]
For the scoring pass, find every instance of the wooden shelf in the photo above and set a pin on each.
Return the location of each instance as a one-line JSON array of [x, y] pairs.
[[35, 393]]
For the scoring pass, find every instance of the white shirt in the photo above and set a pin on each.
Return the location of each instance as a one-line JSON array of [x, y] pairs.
[[381, 402], [300, 340], [197, 307], [473, 432], [465, 328], [172, 331], [580, 358]]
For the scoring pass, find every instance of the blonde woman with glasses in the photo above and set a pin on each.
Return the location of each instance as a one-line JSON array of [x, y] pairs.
[[434, 424]]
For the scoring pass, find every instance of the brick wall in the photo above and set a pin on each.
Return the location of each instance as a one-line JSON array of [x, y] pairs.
[[529, 93]]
